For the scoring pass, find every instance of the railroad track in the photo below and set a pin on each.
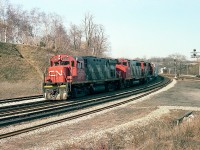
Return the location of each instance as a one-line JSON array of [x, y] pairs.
[[182, 77], [17, 115], [10, 100], [146, 91], [42, 105]]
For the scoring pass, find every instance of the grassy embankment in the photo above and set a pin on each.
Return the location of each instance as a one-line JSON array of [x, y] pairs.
[[21, 71]]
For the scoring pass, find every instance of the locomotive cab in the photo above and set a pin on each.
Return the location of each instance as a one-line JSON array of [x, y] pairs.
[[61, 69], [123, 69]]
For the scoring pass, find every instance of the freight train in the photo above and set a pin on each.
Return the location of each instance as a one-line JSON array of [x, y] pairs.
[[69, 76]]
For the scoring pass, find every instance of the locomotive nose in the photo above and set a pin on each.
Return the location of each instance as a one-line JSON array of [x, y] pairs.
[[56, 74]]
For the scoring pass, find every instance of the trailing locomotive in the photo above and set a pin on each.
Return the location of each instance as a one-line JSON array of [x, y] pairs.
[[70, 76]]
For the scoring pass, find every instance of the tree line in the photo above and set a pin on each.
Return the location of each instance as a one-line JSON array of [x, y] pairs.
[[38, 28], [177, 63]]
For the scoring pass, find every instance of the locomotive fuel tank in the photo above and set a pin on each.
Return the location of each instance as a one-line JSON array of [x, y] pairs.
[[98, 88]]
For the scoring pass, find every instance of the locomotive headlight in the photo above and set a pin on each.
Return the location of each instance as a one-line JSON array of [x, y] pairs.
[[59, 57]]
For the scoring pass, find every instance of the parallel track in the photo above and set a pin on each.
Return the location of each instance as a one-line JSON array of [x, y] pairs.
[[10, 134], [182, 77], [9, 100]]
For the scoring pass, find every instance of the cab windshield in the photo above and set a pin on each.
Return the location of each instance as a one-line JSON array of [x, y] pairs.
[[125, 63], [64, 63], [61, 63]]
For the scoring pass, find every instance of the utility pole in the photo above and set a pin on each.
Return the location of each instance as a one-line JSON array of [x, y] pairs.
[[195, 55], [175, 65]]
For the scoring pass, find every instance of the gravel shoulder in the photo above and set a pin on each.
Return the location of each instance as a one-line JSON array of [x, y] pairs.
[[183, 95]]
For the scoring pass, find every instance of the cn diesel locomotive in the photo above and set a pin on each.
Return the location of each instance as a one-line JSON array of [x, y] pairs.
[[69, 76]]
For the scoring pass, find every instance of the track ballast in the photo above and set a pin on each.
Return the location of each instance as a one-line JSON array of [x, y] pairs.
[[146, 90]]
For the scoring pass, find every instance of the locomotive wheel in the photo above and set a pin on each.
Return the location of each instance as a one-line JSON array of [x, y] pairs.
[[86, 91], [127, 84], [48, 95], [107, 87], [110, 87], [63, 94], [131, 83], [142, 81], [122, 85], [118, 85], [58, 97]]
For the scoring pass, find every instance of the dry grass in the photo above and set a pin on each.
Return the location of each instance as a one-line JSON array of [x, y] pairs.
[[162, 134], [20, 88], [36, 57], [21, 70], [8, 49]]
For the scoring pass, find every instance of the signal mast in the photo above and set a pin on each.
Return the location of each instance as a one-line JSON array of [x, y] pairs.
[[195, 55]]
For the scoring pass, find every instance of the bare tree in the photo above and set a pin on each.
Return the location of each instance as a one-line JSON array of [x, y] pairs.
[[14, 23], [88, 28], [61, 43], [95, 38], [35, 22], [75, 34], [3, 20], [177, 56], [55, 35], [46, 25], [47, 30], [99, 41]]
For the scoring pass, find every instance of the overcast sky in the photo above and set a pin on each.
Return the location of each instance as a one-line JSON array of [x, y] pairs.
[[136, 28]]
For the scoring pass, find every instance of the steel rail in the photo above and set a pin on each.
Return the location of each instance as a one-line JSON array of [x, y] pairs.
[[9, 100], [45, 111], [14, 133], [22, 108]]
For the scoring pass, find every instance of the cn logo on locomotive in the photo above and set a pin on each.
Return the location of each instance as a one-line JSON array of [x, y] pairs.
[[53, 73]]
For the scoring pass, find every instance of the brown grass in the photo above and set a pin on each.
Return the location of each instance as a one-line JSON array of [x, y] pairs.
[[20, 88], [162, 134], [36, 57], [21, 70]]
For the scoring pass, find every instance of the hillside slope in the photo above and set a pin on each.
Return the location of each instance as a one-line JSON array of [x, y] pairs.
[[37, 57], [21, 71]]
